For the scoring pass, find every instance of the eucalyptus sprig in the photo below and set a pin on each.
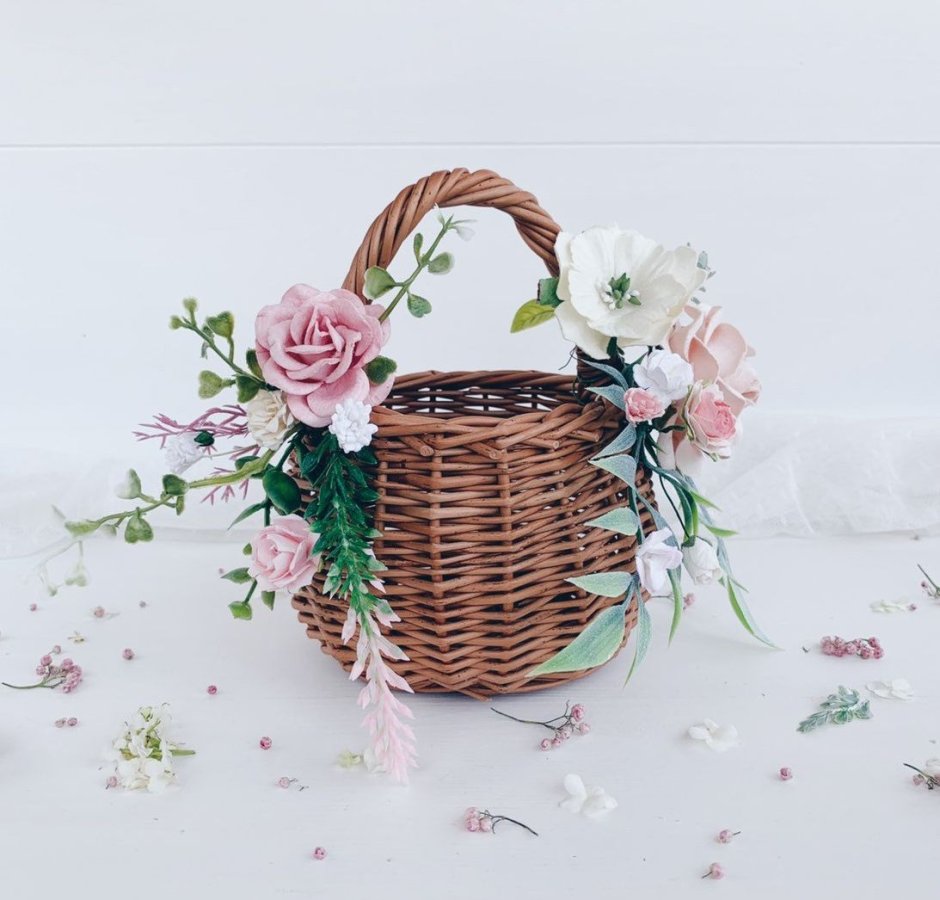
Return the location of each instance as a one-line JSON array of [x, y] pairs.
[[837, 709], [379, 281]]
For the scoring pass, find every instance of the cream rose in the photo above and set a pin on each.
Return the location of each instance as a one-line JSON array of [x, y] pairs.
[[269, 418]]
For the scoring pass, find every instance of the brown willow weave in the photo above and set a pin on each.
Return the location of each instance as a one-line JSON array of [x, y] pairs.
[[485, 490]]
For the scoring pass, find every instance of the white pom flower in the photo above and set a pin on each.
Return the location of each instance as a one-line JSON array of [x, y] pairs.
[[350, 423], [181, 451], [269, 419], [665, 374]]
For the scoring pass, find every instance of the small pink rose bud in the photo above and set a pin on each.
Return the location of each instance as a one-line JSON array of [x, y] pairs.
[[486, 824], [212, 689], [557, 741], [128, 653], [688, 600], [786, 774], [642, 405], [584, 728], [112, 782], [33, 607], [714, 871], [66, 664], [56, 650], [283, 782], [471, 813], [545, 744], [473, 824], [98, 612], [565, 732], [726, 836], [71, 721], [577, 712], [45, 660], [59, 723], [265, 743], [319, 853]]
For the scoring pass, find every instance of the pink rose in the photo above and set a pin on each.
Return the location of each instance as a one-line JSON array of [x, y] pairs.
[[711, 421], [717, 353], [313, 346], [282, 557], [642, 405]]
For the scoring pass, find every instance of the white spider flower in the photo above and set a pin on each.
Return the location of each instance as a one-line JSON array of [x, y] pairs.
[[589, 801], [350, 423]]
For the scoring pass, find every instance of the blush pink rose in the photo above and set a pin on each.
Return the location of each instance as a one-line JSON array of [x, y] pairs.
[[711, 421], [282, 557], [313, 346], [642, 405], [717, 353]]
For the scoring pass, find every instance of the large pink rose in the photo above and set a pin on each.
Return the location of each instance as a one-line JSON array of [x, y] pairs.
[[313, 346], [282, 557], [717, 353]]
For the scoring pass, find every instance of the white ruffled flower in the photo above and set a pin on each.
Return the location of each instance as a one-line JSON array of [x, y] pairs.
[[654, 558], [665, 374], [896, 689], [620, 284], [589, 801], [142, 755], [351, 425], [181, 451], [269, 419], [717, 737], [701, 562]]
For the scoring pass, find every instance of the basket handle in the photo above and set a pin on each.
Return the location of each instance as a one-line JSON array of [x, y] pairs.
[[458, 187]]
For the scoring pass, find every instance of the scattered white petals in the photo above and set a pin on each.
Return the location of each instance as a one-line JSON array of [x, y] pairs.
[[892, 606], [589, 801], [717, 737], [897, 689]]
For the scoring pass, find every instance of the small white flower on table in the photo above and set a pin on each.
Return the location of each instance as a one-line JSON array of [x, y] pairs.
[[717, 737], [589, 801], [350, 423], [896, 689]]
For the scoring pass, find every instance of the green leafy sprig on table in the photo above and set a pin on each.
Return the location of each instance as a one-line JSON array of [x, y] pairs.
[[837, 709]]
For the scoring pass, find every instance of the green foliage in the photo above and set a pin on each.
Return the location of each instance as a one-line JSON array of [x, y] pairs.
[[548, 292], [379, 369], [249, 511], [416, 244], [82, 528], [137, 529], [211, 384], [418, 306], [130, 488], [251, 360], [204, 439], [644, 631], [624, 467], [837, 709], [606, 584], [593, 647], [530, 314], [238, 576], [175, 323], [267, 598], [174, 486], [223, 325], [621, 520], [377, 282], [247, 386], [441, 264], [611, 393], [190, 305], [281, 490], [241, 609]]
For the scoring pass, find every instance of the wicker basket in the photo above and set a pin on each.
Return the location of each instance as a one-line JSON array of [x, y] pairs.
[[485, 488]]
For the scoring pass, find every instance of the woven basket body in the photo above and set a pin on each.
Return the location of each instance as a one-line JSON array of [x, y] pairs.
[[485, 488]]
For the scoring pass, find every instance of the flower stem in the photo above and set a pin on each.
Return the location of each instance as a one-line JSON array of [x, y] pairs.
[[27, 687], [497, 819], [526, 721], [410, 280]]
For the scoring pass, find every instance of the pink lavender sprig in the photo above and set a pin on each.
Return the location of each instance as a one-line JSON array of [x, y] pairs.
[[219, 422], [563, 727], [484, 821], [866, 648], [67, 675]]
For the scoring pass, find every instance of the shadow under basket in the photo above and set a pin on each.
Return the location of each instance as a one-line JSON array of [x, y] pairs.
[[485, 490]]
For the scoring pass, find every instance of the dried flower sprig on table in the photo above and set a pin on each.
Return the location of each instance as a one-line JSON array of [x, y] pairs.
[[570, 722], [66, 675], [866, 648], [929, 775], [837, 709], [485, 821], [929, 586]]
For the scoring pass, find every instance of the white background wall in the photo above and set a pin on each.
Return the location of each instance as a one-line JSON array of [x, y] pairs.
[[229, 149]]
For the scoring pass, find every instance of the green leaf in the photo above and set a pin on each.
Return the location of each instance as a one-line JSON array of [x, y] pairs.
[[624, 467], [593, 647], [530, 314], [620, 444], [611, 393], [243, 461], [418, 306], [744, 614], [210, 384], [251, 359], [441, 264], [720, 532], [241, 609], [548, 292], [675, 580], [137, 529], [616, 374], [377, 282], [248, 511], [248, 387], [190, 305], [129, 488], [621, 520], [606, 584], [238, 576], [863, 711], [174, 486], [644, 631], [282, 491], [416, 245], [204, 439], [267, 598], [378, 369], [223, 324], [82, 528]]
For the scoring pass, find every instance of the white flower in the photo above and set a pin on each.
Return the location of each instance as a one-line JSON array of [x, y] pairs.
[[665, 374], [142, 755], [620, 284], [896, 689], [351, 425], [181, 451], [654, 557], [892, 606], [589, 801], [932, 768], [269, 419], [718, 737], [701, 562]]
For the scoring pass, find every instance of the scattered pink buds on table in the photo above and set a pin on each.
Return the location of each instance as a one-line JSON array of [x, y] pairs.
[[563, 727], [212, 690], [726, 836], [478, 820], [128, 653], [265, 743], [319, 853], [866, 648], [786, 774], [714, 871]]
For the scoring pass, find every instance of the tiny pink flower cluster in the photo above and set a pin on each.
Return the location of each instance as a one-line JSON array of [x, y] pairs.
[[572, 723], [866, 648], [475, 820], [71, 721], [67, 674]]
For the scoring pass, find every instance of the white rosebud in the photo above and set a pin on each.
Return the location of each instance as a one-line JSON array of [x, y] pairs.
[[654, 558], [350, 423], [181, 451], [665, 374], [701, 562], [269, 419]]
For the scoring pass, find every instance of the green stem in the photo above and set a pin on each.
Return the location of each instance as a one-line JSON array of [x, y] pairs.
[[933, 584], [408, 282], [27, 687], [237, 476], [209, 341]]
